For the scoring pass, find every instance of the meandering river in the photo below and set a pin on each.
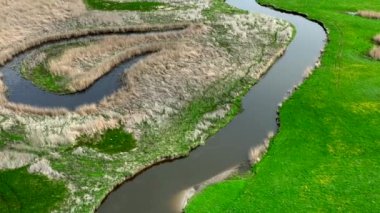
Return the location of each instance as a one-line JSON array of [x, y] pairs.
[[160, 188]]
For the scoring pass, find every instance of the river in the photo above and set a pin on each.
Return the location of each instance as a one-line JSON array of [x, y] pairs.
[[161, 188]]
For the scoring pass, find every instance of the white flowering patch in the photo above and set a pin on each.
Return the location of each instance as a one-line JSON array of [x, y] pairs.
[[244, 26], [206, 123], [42, 166], [13, 160]]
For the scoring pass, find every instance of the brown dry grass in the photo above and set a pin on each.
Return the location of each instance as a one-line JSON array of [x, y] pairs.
[[7, 54], [84, 65], [27, 109], [369, 14], [170, 77], [22, 20], [167, 52]]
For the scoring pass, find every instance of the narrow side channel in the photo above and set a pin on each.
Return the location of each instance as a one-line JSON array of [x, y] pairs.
[[21, 90], [160, 188]]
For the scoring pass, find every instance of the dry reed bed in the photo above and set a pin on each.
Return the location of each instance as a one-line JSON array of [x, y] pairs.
[[164, 82], [83, 83], [31, 22], [369, 14], [8, 54], [21, 20], [84, 65]]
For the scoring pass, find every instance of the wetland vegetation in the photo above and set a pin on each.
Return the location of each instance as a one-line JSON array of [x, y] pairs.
[[168, 103]]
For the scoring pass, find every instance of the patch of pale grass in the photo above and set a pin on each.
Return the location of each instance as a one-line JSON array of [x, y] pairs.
[[377, 39], [369, 14], [375, 53], [42, 166], [256, 153], [12, 159]]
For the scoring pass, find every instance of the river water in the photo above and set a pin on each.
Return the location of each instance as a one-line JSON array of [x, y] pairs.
[[160, 188], [21, 90]]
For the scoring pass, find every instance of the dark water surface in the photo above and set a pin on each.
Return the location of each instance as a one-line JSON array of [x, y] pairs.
[[159, 188]]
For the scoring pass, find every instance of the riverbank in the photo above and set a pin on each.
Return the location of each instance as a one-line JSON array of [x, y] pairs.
[[324, 157], [169, 103]]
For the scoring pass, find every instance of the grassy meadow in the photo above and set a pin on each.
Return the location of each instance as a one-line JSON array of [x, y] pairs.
[[326, 154]]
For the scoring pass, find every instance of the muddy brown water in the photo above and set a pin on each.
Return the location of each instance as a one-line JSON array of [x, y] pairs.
[[160, 188]]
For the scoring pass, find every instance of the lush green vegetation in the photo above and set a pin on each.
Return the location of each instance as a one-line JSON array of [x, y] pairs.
[[110, 141], [326, 155], [116, 5], [220, 200], [21, 191], [45, 80]]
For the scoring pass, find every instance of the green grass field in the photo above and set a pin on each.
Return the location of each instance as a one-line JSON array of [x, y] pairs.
[[326, 155]]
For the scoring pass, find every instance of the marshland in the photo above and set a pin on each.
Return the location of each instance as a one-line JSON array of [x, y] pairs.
[[192, 63], [95, 94]]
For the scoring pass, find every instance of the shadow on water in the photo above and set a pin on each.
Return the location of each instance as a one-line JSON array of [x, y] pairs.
[[159, 188]]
